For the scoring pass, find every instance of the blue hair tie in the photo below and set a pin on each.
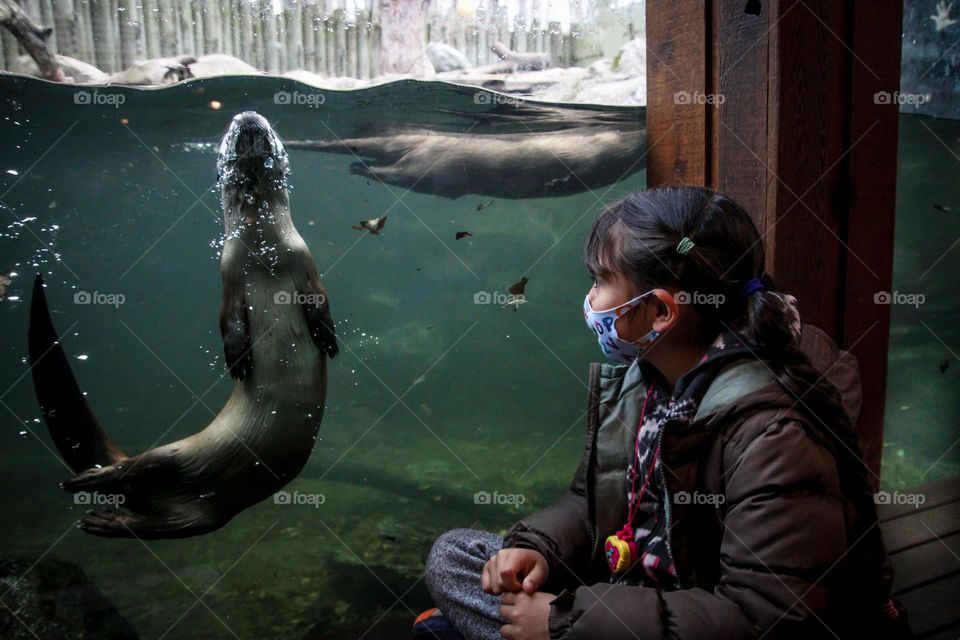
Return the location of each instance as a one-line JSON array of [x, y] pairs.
[[747, 290]]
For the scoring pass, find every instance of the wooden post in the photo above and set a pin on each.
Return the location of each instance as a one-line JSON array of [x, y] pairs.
[[777, 111], [151, 28], [310, 34]]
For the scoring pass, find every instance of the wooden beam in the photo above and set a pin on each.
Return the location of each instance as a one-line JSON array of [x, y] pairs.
[[777, 110]]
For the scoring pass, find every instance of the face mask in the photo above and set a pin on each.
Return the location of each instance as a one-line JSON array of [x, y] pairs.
[[603, 323]]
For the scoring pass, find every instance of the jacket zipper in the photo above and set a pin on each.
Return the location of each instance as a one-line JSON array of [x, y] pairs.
[[666, 503]]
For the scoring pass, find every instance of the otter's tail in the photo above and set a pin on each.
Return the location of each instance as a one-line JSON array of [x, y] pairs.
[[74, 429]]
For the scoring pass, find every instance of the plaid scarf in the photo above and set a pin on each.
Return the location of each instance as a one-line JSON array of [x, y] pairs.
[[667, 411]]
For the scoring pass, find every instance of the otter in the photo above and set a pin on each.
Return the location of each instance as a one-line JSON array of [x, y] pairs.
[[277, 334]]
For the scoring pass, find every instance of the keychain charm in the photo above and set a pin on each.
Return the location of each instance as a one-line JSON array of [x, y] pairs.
[[621, 550]]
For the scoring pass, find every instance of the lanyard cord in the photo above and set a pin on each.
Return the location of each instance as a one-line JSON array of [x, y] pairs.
[[635, 500]]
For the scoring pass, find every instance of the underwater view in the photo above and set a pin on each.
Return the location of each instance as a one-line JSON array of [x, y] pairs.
[[457, 399], [923, 384]]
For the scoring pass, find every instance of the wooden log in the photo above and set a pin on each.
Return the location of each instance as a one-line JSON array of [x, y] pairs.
[[86, 30], [151, 28], [340, 42], [282, 39], [102, 36], [31, 37], [555, 42], [184, 25], [167, 28], [225, 31], [310, 36], [198, 40], [66, 27], [236, 7], [331, 45], [363, 43], [271, 43], [376, 53], [246, 14], [211, 26], [131, 34], [295, 56], [353, 47], [259, 45], [47, 19], [113, 16]]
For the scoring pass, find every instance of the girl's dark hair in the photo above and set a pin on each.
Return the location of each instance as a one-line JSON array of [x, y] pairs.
[[638, 236]]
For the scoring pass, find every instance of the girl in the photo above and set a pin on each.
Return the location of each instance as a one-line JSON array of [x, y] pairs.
[[721, 493]]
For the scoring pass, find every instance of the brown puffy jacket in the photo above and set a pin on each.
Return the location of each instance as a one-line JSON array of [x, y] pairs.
[[789, 547]]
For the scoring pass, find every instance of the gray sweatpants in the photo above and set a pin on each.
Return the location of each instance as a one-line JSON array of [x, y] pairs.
[[454, 567]]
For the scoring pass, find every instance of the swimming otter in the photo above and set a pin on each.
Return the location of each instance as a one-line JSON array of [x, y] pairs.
[[277, 333]]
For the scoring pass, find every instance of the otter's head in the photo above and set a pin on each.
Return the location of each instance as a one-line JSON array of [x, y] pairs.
[[252, 169]]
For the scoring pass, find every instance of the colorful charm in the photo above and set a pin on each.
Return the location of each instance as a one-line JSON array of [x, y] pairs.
[[621, 550]]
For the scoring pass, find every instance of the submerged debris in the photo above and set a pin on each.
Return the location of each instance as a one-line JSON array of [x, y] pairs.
[[483, 205], [517, 296], [373, 225], [463, 234], [6, 279]]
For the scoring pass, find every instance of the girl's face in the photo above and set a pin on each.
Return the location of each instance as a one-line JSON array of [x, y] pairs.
[[658, 312]]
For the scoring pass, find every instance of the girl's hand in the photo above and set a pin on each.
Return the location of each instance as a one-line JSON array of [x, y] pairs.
[[501, 572], [526, 615]]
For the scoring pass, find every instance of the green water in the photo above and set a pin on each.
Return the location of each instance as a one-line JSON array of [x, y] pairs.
[[492, 399], [922, 421]]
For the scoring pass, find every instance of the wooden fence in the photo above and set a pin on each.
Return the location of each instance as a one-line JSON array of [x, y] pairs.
[[315, 35]]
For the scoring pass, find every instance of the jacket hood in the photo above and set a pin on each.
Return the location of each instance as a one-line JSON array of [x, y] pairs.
[[746, 381]]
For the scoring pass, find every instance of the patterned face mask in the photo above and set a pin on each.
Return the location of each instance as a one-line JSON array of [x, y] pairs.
[[604, 324]]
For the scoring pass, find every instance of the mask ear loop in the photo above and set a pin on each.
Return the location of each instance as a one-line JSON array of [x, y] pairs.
[[653, 334]]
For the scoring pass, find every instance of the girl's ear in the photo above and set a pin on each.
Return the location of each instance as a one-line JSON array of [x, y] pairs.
[[667, 310]]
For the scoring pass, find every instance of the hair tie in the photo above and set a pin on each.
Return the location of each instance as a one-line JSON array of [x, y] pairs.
[[755, 284], [685, 245]]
